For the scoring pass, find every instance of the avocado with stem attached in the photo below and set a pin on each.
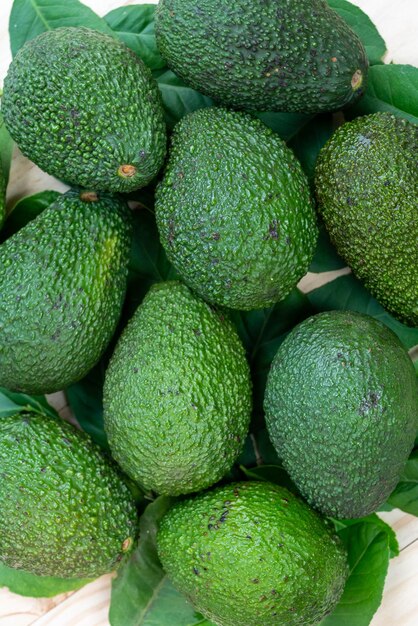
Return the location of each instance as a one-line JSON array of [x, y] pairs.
[[85, 108], [291, 55]]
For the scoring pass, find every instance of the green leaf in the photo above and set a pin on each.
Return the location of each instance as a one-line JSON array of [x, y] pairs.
[[326, 257], [363, 27], [134, 25], [178, 98], [271, 473], [258, 450], [307, 143], [6, 150], [26, 584], [347, 293], [85, 400], [405, 495], [26, 210], [12, 402], [284, 124], [368, 545], [141, 593], [262, 331], [378, 524], [30, 18], [392, 88]]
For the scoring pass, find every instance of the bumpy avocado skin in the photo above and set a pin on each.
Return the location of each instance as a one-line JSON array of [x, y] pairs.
[[63, 281], [177, 394], [234, 210], [2, 196], [292, 55], [341, 408], [252, 553], [66, 510], [81, 105], [367, 187]]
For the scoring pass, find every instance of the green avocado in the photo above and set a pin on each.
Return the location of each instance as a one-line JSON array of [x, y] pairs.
[[177, 393], [2, 196], [252, 554], [234, 210], [292, 55], [85, 108], [366, 183], [341, 408], [63, 281], [65, 509]]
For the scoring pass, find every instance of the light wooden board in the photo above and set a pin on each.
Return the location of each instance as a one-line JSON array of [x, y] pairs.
[[398, 23]]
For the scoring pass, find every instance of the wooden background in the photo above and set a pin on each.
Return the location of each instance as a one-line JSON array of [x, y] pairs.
[[398, 23]]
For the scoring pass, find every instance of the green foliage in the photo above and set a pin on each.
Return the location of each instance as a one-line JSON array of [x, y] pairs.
[[6, 149], [392, 88], [12, 402], [141, 593], [134, 25], [262, 331], [287, 125], [370, 543], [310, 139], [25, 584], [26, 210], [30, 18], [178, 98], [326, 257], [405, 495], [363, 27]]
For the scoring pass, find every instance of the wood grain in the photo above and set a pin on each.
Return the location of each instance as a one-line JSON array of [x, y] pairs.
[[398, 24]]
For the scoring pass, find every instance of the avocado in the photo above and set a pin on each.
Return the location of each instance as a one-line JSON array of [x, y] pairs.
[[234, 210], [297, 55], [63, 280], [2, 196], [366, 183], [177, 394], [85, 108], [251, 553], [65, 509], [341, 409]]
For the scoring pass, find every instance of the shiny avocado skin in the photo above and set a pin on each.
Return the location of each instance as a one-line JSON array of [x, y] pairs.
[[66, 510], [177, 393], [341, 408], [85, 108], [63, 281], [292, 55], [251, 553], [366, 182], [234, 210]]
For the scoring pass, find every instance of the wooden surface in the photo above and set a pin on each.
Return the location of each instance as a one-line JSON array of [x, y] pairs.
[[398, 24]]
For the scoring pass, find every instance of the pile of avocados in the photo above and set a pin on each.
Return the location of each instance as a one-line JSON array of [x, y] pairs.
[[238, 219]]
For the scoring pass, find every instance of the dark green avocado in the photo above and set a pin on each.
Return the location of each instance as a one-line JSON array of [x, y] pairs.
[[366, 183], [62, 283], [85, 108], [341, 408], [66, 510], [234, 210], [252, 554], [177, 393], [291, 55]]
